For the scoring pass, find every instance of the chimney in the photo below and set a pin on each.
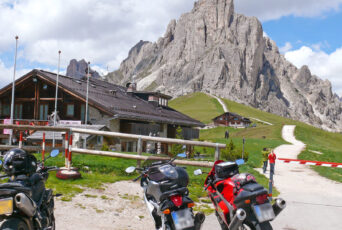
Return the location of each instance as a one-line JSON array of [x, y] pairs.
[[131, 87]]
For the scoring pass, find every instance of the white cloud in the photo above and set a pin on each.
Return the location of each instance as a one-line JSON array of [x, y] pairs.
[[326, 66], [99, 31], [275, 9], [6, 74], [287, 47]]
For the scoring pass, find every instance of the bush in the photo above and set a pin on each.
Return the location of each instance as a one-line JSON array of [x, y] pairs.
[[105, 147], [231, 153]]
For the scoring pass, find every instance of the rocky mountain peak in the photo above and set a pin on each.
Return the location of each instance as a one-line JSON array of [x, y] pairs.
[[78, 69], [212, 49]]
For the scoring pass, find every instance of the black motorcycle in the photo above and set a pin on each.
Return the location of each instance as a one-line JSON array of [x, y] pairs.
[[166, 196], [25, 203]]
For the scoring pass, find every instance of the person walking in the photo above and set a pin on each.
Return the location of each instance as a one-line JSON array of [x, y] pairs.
[[272, 158], [226, 135], [265, 154]]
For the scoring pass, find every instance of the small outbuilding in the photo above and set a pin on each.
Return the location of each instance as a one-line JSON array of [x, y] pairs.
[[232, 120]]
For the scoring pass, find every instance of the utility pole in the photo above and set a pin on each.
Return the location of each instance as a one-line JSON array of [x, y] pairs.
[[13, 87], [56, 98]]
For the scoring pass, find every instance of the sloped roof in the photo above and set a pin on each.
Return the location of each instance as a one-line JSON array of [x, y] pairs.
[[122, 105], [232, 114]]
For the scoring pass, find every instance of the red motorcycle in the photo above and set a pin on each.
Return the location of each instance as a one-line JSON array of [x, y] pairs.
[[240, 202]]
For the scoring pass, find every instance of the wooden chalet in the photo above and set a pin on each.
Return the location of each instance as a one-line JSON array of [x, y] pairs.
[[121, 109], [231, 120]]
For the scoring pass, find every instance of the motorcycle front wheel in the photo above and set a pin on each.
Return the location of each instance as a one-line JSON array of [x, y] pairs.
[[14, 224]]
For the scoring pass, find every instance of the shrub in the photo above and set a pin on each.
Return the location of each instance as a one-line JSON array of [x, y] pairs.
[[231, 153], [105, 147]]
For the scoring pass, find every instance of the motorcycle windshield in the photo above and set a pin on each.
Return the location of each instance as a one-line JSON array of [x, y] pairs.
[[160, 170]]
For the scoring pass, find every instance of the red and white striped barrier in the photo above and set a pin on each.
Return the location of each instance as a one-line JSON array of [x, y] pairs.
[[305, 162], [43, 148]]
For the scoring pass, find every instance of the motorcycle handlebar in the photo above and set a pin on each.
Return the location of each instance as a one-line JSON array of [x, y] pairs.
[[134, 180]]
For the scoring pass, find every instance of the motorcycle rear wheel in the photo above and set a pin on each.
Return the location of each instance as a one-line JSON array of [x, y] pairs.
[[14, 224]]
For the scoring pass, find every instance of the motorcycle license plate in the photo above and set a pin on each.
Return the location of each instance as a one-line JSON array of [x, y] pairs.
[[183, 219], [6, 206], [264, 212]]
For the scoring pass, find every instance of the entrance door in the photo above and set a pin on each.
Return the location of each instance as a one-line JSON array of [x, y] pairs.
[[43, 111]]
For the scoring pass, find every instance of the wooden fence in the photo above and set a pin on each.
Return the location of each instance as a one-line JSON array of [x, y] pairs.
[[139, 138]]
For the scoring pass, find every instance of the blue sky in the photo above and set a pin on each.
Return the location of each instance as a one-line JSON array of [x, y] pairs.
[[307, 32], [324, 30]]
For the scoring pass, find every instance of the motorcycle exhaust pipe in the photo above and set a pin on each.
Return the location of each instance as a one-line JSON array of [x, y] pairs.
[[199, 219], [25, 204], [238, 219], [278, 206]]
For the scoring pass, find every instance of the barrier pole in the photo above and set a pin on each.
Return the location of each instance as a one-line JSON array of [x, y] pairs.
[[70, 157], [43, 148], [66, 146], [21, 139]]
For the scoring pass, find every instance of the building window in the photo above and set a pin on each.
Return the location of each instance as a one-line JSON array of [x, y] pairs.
[[43, 111], [83, 112], [6, 110], [70, 110], [18, 111]]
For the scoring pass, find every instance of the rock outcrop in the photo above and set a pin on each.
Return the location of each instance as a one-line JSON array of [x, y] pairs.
[[78, 69], [215, 50]]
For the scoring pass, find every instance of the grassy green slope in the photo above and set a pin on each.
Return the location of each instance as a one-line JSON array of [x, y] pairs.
[[198, 105]]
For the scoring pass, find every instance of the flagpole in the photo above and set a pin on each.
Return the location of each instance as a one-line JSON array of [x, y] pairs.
[[86, 115], [13, 87], [56, 98]]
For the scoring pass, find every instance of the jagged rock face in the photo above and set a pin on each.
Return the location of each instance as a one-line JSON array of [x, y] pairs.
[[78, 69], [212, 49]]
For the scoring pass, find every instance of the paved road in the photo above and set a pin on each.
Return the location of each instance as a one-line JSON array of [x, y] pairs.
[[313, 202]]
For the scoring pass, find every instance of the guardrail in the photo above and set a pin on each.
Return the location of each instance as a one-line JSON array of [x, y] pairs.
[[139, 138]]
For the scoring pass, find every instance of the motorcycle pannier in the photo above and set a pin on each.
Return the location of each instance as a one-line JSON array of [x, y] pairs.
[[226, 169]]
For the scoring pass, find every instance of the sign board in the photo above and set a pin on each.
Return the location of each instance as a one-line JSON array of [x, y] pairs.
[[66, 122], [7, 122]]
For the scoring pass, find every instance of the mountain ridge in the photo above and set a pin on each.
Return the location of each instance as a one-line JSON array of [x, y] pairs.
[[214, 50]]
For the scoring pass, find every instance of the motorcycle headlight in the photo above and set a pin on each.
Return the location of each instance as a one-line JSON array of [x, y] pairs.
[[6, 206]]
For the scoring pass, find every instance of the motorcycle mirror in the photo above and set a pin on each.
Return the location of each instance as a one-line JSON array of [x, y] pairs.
[[240, 161], [54, 153], [130, 169], [182, 155], [198, 172]]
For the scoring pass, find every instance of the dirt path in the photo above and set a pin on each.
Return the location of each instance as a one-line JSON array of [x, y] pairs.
[[313, 202], [224, 106]]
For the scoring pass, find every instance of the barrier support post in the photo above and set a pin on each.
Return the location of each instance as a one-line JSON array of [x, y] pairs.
[[43, 148], [270, 185], [217, 153], [139, 150], [69, 156], [21, 139], [66, 147]]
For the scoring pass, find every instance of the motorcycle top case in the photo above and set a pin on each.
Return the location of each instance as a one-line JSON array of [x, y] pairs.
[[226, 170], [172, 174]]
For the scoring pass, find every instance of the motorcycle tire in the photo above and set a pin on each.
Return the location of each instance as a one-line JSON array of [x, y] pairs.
[[14, 224]]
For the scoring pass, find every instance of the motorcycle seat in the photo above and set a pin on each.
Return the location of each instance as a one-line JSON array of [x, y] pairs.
[[16, 186], [250, 191]]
